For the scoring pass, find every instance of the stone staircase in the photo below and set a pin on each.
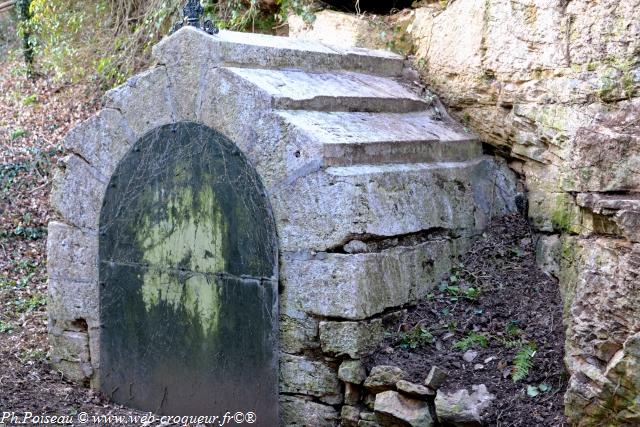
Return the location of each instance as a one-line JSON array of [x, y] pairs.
[[374, 189]]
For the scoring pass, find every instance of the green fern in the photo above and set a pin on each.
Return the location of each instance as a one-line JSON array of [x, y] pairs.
[[523, 361], [470, 340]]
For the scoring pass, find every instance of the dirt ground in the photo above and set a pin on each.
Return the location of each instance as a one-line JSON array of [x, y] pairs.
[[496, 303]]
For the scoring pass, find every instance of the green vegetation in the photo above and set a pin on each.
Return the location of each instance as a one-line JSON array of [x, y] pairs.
[[5, 327], [17, 133], [457, 291], [523, 361], [418, 336], [105, 41], [471, 340]]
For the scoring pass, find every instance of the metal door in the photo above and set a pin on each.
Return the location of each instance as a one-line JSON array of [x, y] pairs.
[[188, 279]]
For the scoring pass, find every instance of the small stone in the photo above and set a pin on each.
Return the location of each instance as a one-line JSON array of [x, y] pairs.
[[489, 359], [393, 409], [478, 366], [388, 350], [382, 378], [352, 371], [410, 74], [349, 416], [435, 378], [368, 416], [356, 247], [351, 394], [365, 423], [462, 408], [414, 390], [469, 356]]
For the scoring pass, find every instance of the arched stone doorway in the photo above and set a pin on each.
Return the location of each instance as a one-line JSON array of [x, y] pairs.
[[187, 270]]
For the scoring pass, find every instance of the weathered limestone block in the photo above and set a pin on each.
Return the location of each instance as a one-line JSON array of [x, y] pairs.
[[382, 378], [435, 378], [70, 353], [336, 28], [354, 339], [349, 416], [352, 394], [548, 250], [72, 299], [390, 200], [301, 412], [144, 101], [619, 384], [358, 286], [72, 253], [102, 140], [77, 192], [302, 376], [298, 333], [462, 407], [352, 371], [618, 214], [414, 390], [393, 409]]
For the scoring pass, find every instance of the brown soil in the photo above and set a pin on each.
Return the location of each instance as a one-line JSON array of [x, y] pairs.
[[516, 304]]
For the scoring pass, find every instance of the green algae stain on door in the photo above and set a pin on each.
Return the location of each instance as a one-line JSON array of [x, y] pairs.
[[188, 279]]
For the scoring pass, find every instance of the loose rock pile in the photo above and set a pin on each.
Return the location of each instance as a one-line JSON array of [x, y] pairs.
[[385, 399]]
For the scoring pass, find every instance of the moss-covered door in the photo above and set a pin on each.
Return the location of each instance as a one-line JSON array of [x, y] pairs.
[[188, 287]]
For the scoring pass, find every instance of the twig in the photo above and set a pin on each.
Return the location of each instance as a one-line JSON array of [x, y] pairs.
[[33, 190]]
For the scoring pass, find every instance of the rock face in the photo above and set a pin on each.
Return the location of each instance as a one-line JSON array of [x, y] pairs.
[[554, 86], [374, 193]]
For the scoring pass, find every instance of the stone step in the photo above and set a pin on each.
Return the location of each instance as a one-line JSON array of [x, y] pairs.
[[333, 91], [259, 50], [353, 138]]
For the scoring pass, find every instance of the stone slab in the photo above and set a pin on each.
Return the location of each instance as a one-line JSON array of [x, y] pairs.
[[265, 51], [72, 253], [357, 286], [355, 339], [324, 210], [351, 138], [145, 101], [298, 333], [299, 375], [392, 409], [335, 91], [77, 192], [296, 411], [102, 140]]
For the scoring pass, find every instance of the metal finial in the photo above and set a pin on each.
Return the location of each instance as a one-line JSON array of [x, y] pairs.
[[193, 13]]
